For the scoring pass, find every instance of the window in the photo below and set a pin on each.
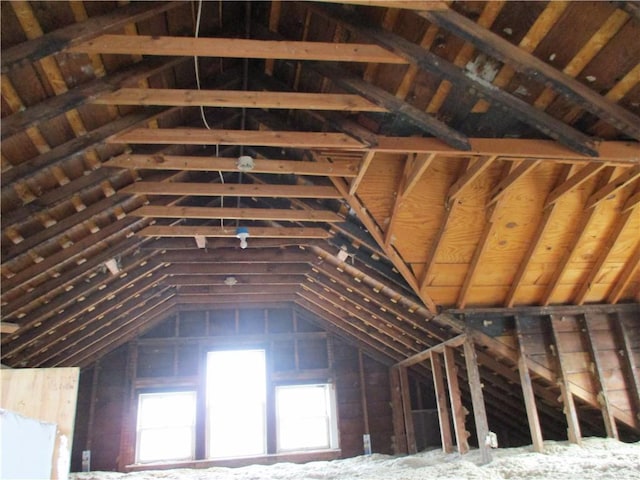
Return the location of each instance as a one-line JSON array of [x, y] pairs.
[[236, 403], [166, 426], [306, 417]]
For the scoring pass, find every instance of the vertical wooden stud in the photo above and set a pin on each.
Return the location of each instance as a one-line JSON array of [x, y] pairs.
[[406, 408], [477, 399], [458, 410], [527, 391], [598, 375], [441, 399], [400, 439], [629, 366], [363, 393], [570, 411]]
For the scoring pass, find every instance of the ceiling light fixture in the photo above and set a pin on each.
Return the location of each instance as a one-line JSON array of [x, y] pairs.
[[245, 163], [242, 233]]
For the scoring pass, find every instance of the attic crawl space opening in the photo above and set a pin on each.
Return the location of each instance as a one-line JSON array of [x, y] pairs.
[[440, 211]]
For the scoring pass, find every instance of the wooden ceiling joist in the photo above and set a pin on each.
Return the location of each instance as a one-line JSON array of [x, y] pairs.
[[408, 5], [239, 99], [288, 215], [237, 48], [533, 67], [8, 327], [202, 136], [231, 190], [230, 232], [340, 168], [224, 280], [232, 268], [233, 255]]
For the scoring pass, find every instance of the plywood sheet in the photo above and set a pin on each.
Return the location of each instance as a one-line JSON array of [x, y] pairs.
[[47, 394]]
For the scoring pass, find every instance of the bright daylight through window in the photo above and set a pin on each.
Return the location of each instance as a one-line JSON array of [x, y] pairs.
[[166, 426], [306, 417], [236, 403]]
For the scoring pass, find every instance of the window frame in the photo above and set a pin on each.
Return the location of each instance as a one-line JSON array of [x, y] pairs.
[[333, 437], [193, 425]]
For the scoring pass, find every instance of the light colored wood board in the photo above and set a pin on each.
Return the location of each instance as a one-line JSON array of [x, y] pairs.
[[585, 380], [567, 323], [487, 296], [614, 379], [421, 214], [445, 296], [508, 340], [603, 340], [535, 344], [576, 362], [47, 394], [448, 274], [379, 183], [610, 359], [544, 360], [619, 399]]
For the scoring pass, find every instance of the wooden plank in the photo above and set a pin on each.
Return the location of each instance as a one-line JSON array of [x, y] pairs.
[[523, 168], [8, 327], [615, 185], [609, 242], [477, 399], [24, 391], [230, 232], [58, 40], [527, 391], [409, 5], [363, 394], [237, 48], [599, 377], [81, 95], [532, 66], [362, 170], [397, 410], [228, 164], [458, 411], [630, 366], [536, 239], [404, 111], [471, 173], [428, 61], [573, 182], [285, 214], [628, 273], [406, 408], [194, 284], [231, 190], [441, 400], [239, 99], [570, 411], [203, 136], [420, 164], [612, 152]]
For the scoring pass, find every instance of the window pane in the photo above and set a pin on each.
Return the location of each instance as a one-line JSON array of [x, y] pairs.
[[166, 426], [305, 417], [236, 399]]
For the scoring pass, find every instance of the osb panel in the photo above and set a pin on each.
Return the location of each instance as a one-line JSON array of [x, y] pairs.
[[379, 184], [421, 214]]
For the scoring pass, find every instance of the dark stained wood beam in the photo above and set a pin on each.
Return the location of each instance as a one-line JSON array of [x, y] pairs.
[[237, 48], [84, 94], [436, 65], [388, 101], [194, 284], [59, 40], [226, 164], [74, 252], [240, 299], [76, 147], [629, 365], [237, 257], [408, 5], [241, 270], [533, 67]]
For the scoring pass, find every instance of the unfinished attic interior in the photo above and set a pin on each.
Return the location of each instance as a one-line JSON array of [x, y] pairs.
[[418, 220]]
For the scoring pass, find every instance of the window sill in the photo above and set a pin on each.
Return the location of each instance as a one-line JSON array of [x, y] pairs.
[[292, 457]]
